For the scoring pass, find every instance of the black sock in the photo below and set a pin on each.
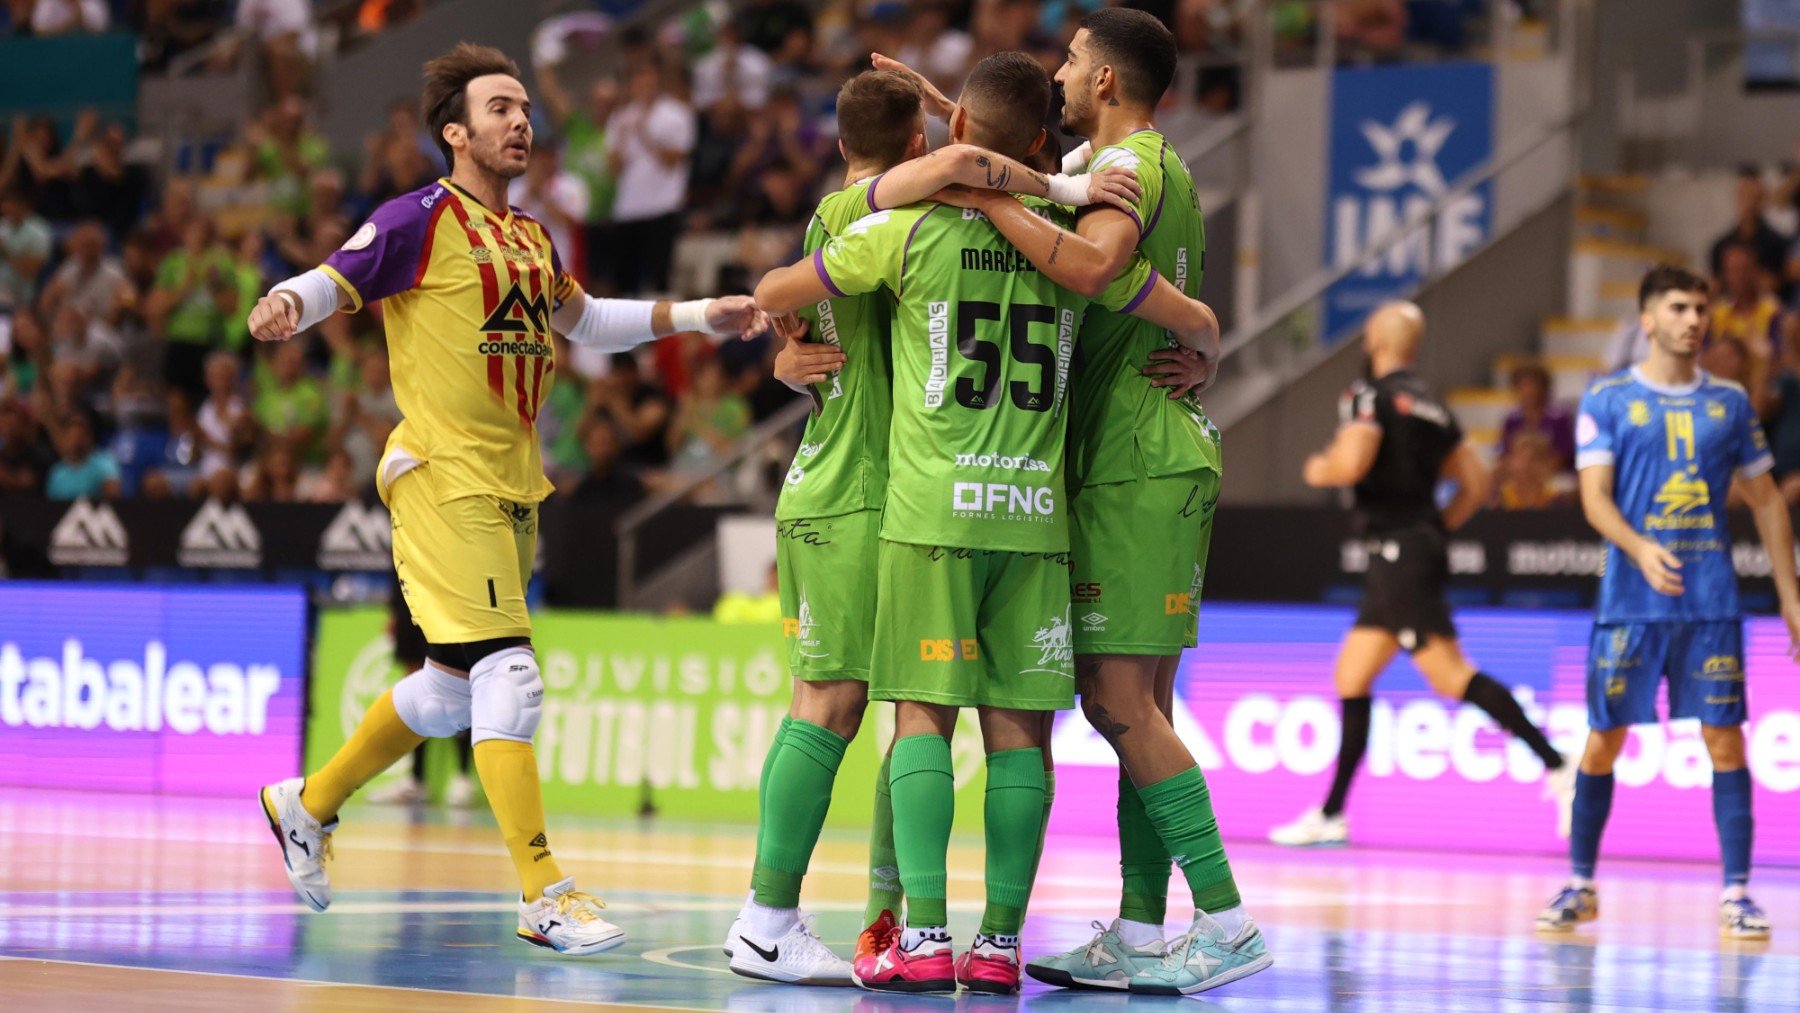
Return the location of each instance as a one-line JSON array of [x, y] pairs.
[[1351, 746], [1499, 704]]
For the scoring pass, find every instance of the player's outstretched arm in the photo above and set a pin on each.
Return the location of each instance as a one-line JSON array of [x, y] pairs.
[[617, 325], [1085, 261], [296, 305], [976, 167], [1660, 567], [1474, 483], [786, 289], [1776, 529]]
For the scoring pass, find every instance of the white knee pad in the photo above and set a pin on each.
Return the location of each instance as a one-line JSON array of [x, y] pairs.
[[507, 696], [433, 702]]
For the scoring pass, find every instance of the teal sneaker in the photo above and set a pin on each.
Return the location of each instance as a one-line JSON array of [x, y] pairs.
[[1204, 959], [1106, 962]]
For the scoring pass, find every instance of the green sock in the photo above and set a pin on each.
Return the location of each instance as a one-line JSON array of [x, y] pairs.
[[799, 793], [884, 870], [1014, 817], [1044, 831], [924, 790], [762, 786], [1143, 860], [1182, 811]]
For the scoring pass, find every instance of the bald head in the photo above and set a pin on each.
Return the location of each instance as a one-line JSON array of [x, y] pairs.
[[1392, 335]]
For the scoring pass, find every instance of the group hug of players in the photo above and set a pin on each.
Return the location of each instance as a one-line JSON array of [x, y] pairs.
[[1002, 501]]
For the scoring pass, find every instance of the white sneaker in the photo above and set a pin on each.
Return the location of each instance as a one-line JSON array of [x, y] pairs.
[[1312, 829], [1559, 787], [405, 791], [797, 958], [739, 925], [568, 921], [305, 844], [461, 793]]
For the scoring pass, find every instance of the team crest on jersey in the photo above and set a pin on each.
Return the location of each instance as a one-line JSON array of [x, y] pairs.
[[364, 236], [1056, 647], [1715, 411], [1639, 413], [1621, 638]]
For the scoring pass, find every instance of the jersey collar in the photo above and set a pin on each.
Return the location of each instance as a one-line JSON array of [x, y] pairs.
[[504, 216], [1664, 389]]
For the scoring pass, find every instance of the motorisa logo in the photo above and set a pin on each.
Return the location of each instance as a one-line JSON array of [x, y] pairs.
[[89, 535], [358, 538], [1004, 500], [1005, 462], [220, 535], [1400, 139]]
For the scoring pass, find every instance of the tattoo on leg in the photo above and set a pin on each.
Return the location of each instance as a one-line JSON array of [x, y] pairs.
[[1110, 729]]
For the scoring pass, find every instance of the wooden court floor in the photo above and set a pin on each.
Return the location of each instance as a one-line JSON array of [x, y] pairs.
[[124, 902]]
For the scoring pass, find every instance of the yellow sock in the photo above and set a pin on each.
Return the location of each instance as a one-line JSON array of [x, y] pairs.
[[378, 741], [509, 776]]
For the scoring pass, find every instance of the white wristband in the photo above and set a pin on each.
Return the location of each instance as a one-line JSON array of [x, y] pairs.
[[318, 294], [691, 316], [1069, 190]]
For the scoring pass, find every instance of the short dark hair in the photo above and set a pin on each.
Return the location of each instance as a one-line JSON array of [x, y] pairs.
[[1668, 278], [877, 112], [1009, 95], [1139, 48], [446, 96], [1530, 370]]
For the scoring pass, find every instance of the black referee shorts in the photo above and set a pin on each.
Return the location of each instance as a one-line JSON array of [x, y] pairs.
[[1404, 590]]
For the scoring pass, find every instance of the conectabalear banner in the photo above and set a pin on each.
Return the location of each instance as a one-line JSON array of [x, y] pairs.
[[679, 712], [189, 690]]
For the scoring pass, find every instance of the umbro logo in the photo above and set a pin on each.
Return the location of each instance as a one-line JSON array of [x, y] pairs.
[[1093, 622], [540, 841]]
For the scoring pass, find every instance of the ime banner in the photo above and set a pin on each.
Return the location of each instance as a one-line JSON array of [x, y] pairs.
[[1400, 139], [1255, 705], [138, 688]]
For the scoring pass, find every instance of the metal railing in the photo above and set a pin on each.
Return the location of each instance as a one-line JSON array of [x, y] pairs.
[[746, 446]]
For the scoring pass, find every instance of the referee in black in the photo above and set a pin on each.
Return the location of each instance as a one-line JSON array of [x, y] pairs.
[[1394, 443]]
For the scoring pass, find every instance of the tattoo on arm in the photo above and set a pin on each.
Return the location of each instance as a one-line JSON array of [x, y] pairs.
[[1040, 179], [995, 181], [1054, 249]]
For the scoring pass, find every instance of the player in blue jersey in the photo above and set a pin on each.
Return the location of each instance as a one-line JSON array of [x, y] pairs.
[[1660, 445]]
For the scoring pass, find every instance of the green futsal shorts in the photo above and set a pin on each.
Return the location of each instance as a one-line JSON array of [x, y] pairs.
[[1139, 552], [825, 567]]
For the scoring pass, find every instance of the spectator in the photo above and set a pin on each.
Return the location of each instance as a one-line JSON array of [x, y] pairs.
[[556, 199], [109, 188], [711, 417], [196, 288], [650, 138], [225, 423], [606, 484], [735, 69], [82, 472], [368, 414], [638, 410], [24, 246], [766, 24], [36, 161], [335, 483], [274, 477], [140, 441], [178, 473], [1768, 247], [67, 17], [1370, 31], [169, 226], [247, 285], [1528, 475], [289, 405], [937, 49], [1784, 419], [1747, 312], [30, 355], [287, 151], [284, 30], [1534, 413], [25, 452], [89, 281], [583, 130], [91, 347]]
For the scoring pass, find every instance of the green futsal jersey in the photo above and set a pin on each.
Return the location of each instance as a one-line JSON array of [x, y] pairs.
[[981, 345], [842, 463], [1122, 428]]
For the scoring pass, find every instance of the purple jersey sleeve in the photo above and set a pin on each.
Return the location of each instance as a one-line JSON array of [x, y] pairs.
[[386, 255]]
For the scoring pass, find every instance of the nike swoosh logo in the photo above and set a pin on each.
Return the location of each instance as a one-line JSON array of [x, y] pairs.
[[771, 954], [294, 835]]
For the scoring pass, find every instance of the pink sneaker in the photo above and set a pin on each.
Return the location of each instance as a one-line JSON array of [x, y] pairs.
[[988, 968], [893, 969]]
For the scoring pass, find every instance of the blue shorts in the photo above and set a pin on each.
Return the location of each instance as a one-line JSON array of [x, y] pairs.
[[1703, 661]]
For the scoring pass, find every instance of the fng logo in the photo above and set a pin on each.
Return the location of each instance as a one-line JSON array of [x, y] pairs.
[[1002, 497], [965, 649]]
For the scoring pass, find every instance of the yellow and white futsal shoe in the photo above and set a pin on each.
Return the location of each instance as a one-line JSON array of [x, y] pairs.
[[305, 843], [568, 921]]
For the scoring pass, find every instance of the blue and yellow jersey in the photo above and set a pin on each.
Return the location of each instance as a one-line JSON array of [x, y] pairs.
[[466, 297], [1674, 452]]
